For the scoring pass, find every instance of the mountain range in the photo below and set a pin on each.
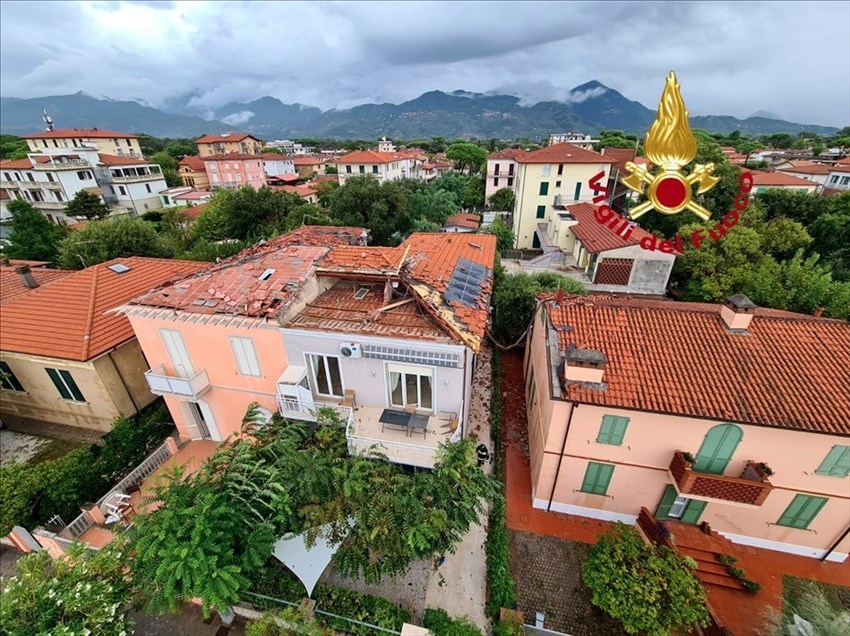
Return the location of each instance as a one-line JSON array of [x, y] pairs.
[[589, 108]]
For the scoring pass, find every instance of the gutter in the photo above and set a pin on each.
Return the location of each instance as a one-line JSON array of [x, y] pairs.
[[573, 407], [835, 544]]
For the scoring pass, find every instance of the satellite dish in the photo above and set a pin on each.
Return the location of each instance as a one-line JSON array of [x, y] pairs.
[[48, 120]]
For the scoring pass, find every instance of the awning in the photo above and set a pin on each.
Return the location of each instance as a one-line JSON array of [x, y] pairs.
[[306, 564]]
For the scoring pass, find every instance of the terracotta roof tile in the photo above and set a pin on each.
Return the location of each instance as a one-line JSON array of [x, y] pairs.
[[464, 219], [777, 179], [789, 370], [372, 156], [80, 133], [225, 137], [597, 237], [193, 163], [507, 153], [805, 167], [68, 318], [564, 153], [12, 285], [620, 156], [113, 160]]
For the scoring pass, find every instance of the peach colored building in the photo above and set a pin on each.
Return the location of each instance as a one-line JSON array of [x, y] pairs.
[[193, 173], [731, 415], [235, 170], [229, 143]]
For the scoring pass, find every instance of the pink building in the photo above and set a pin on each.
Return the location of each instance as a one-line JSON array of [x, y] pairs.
[[731, 415], [235, 170]]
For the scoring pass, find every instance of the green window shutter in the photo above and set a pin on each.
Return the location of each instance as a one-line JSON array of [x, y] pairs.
[[613, 430], [801, 511], [8, 380], [57, 382], [544, 188], [693, 511], [541, 211], [717, 449], [667, 499], [837, 462], [72, 386], [597, 478], [578, 191]]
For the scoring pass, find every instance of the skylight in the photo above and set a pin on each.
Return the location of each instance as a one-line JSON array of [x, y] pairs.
[[361, 293], [119, 268], [267, 274]]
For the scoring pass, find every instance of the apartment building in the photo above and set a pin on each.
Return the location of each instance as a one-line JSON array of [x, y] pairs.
[[193, 173], [106, 141], [307, 166], [235, 170], [577, 139], [130, 185], [729, 414], [65, 357], [383, 166], [277, 165], [838, 179], [763, 181], [502, 171], [229, 143], [548, 180], [808, 170]]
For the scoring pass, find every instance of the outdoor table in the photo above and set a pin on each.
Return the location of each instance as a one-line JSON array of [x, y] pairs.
[[409, 421], [418, 422]]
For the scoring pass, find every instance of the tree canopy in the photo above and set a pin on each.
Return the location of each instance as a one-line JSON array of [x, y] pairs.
[[504, 235], [467, 156], [33, 237], [87, 205], [503, 200], [104, 240]]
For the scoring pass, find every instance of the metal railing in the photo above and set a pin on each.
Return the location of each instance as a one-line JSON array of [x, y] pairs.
[[299, 410], [135, 177], [77, 527], [141, 472], [163, 383]]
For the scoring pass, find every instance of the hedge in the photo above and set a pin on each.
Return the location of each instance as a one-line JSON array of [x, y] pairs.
[[30, 494], [441, 624]]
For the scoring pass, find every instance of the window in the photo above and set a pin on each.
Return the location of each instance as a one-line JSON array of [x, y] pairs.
[[59, 196], [510, 182], [362, 169], [8, 380], [65, 384], [541, 211], [411, 385], [544, 188], [510, 168], [148, 186], [85, 174], [50, 177], [547, 169], [246, 356], [674, 506], [834, 179], [496, 170], [613, 430], [122, 190], [837, 462], [560, 169], [327, 379], [845, 180], [374, 169], [801, 511], [577, 192], [30, 177], [348, 169], [557, 184], [6, 176], [496, 182], [597, 478]]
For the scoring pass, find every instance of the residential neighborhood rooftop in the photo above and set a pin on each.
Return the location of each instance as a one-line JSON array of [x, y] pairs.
[[563, 153], [807, 167], [193, 162], [69, 318], [507, 153], [373, 156], [761, 178], [12, 283], [80, 133], [465, 220], [597, 237], [788, 370], [225, 137]]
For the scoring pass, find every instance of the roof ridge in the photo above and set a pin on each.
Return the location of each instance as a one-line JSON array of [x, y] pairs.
[[90, 316]]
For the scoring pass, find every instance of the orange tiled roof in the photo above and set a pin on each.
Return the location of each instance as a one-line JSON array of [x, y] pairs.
[[464, 219], [789, 371], [507, 153], [805, 167], [377, 260], [16, 164], [301, 190], [597, 237], [286, 177], [620, 156], [80, 133], [193, 163], [234, 287], [12, 285], [225, 137], [563, 153], [113, 160], [68, 318], [371, 156], [778, 179], [306, 160]]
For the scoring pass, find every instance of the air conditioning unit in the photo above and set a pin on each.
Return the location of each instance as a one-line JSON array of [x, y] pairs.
[[350, 350]]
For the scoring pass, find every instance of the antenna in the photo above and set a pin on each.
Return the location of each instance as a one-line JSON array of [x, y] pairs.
[[48, 120]]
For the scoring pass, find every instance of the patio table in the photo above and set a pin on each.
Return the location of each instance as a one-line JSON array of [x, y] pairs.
[[409, 421]]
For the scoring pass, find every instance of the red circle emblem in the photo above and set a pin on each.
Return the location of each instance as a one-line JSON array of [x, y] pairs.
[[671, 193]]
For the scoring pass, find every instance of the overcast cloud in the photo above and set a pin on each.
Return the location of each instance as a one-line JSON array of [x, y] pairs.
[[789, 58]]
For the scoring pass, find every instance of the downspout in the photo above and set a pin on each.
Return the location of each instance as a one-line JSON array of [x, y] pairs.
[[573, 407], [123, 382], [464, 404], [835, 545]]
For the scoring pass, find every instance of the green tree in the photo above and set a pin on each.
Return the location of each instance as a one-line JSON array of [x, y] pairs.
[[504, 235], [180, 150], [503, 200], [211, 224], [12, 147], [831, 238], [168, 165], [747, 147], [382, 208], [104, 240], [252, 214], [474, 196], [87, 205], [433, 205], [615, 139], [81, 593], [453, 182], [291, 621], [649, 589], [308, 214], [33, 237], [467, 156]]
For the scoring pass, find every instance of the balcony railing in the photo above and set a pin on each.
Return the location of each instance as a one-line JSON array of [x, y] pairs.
[[752, 487], [140, 472], [37, 184], [296, 409], [50, 205], [59, 165], [163, 383], [135, 177]]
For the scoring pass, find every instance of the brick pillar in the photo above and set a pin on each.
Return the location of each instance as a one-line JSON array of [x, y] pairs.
[[172, 445], [94, 513]]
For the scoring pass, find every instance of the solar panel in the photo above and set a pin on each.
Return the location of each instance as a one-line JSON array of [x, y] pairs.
[[119, 268], [465, 283]]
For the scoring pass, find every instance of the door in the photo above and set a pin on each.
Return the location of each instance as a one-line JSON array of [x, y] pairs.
[[535, 242], [674, 506], [178, 353], [200, 421], [411, 385], [717, 449]]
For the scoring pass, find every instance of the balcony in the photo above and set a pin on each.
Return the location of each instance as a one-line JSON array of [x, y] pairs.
[[50, 205], [67, 164], [38, 184], [752, 487], [563, 200], [162, 382], [135, 178], [8, 184]]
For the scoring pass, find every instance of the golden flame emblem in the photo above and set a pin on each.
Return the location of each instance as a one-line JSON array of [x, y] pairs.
[[670, 145]]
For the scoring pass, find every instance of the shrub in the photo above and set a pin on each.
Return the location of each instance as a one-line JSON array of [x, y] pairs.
[[750, 586], [738, 573], [298, 621], [501, 590], [441, 624], [726, 559]]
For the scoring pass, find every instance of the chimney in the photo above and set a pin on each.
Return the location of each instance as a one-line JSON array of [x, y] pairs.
[[737, 312], [26, 275], [584, 365], [818, 312]]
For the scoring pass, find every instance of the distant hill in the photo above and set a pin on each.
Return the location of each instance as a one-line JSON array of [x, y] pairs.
[[589, 108]]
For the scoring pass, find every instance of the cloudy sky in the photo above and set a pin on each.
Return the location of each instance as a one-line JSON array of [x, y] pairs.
[[788, 58]]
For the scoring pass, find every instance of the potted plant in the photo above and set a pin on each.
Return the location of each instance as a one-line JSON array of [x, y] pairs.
[[750, 586], [765, 469], [726, 559], [688, 458]]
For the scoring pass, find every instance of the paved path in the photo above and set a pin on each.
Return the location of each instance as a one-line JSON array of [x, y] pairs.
[[459, 585], [18, 448]]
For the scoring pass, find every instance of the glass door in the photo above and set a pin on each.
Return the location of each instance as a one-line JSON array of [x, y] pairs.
[[411, 386]]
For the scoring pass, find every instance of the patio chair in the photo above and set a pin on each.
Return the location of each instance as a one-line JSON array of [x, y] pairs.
[[116, 507], [349, 398], [452, 422]]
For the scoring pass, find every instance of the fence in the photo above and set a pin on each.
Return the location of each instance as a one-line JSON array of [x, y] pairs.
[[140, 472]]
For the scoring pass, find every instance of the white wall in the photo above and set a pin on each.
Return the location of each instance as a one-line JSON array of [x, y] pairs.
[[277, 167]]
